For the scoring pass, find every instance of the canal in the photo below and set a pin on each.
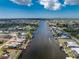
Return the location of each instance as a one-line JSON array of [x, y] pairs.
[[42, 46]]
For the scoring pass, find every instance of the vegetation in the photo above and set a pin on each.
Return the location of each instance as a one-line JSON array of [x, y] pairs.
[[62, 25], [28, 35], [1, 52], [1, 42], [67, 50], [73, 32], [15, 26]]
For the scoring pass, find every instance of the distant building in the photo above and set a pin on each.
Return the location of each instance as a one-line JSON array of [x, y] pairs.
[[75, 26]]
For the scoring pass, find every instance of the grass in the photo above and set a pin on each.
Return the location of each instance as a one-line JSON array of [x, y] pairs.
[[1, 52], [69, 52], [17, 54], [61, 41], [14, 53]]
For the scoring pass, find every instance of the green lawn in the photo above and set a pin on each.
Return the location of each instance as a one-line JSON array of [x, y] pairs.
[[1, 52]]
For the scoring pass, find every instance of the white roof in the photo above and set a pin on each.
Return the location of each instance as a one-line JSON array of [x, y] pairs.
[[23, 33], [72, 44], [69, 58], [1, 31], [53, 27], [20, 40], [64, 36], [75, 49]]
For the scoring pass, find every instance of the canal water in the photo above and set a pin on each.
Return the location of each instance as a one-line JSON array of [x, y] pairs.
[[42, 46]]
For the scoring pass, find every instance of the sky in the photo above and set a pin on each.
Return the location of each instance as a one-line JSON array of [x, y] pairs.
[[39, 8]]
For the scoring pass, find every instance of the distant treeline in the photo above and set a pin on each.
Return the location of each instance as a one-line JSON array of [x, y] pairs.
[[30, 19]]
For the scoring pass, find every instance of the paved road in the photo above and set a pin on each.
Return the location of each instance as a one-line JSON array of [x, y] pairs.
[[12, 39], [42, 46]]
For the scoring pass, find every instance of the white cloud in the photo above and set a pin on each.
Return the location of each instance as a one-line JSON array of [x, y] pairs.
[[23, 2], [51, 4], [71, 2]]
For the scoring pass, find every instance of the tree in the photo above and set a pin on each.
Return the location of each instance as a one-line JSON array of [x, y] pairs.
[[28, 35]]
